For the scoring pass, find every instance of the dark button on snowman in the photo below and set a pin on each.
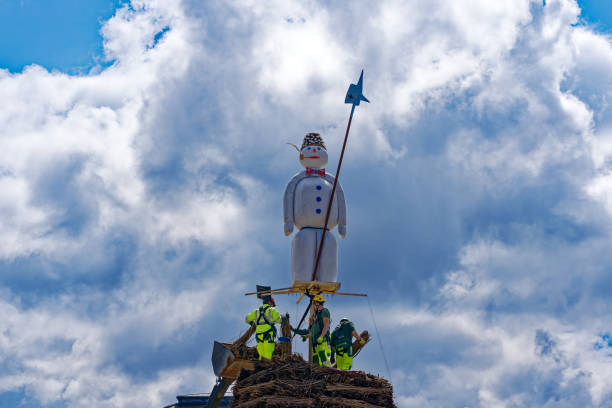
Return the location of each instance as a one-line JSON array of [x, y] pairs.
[[305, 205]]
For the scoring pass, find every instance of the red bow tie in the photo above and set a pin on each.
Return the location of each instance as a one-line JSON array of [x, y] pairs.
[[310, 172]]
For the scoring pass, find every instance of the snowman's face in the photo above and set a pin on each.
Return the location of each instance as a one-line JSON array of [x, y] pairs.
[[314, 157]]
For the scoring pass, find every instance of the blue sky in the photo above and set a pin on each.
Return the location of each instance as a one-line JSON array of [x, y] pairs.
[[145, 157], [597, 13], [62, 35], [65, 35]]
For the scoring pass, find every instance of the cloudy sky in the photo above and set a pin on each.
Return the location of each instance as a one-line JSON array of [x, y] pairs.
[[144, 157]]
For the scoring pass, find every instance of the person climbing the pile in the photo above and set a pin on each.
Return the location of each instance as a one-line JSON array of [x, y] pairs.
[[265, 318], [319, 333], [342, 343]]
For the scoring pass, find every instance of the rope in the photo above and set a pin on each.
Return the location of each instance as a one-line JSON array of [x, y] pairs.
[[382, 350]]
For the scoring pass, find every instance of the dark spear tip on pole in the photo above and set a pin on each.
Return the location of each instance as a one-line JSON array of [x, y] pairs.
[[354, 96]]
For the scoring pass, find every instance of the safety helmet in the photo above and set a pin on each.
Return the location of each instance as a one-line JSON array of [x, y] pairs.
[[318, 298], [344, 320]]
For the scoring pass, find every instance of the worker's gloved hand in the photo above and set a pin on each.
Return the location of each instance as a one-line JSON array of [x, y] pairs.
[[301, 332], [362, 341], [320, 340], [288, 227], [342, 230]]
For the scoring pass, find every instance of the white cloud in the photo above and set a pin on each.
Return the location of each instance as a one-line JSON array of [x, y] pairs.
[[73, 145], [140, 199]]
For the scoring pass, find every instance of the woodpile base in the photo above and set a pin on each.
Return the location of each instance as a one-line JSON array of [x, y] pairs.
[[292, 382]]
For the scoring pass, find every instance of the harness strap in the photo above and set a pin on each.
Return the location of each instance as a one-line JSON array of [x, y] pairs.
[[265, 335], [262, 311]]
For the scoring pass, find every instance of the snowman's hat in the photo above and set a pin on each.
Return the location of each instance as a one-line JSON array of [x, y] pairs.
[[313, 139]]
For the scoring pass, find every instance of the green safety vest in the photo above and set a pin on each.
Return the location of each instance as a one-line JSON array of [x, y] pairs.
[[319, 324], [342, 337]]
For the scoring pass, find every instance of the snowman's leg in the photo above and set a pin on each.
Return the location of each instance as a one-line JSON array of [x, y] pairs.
[[328, 264], [303, 254]]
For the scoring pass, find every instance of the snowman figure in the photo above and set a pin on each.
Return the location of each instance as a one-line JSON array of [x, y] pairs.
[[305, 204]]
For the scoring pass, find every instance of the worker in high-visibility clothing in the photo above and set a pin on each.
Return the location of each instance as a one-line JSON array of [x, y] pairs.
[[342, 343], [319, 333], [265, 318]]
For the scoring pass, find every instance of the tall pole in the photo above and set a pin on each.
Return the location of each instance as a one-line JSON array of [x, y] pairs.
[[331, 199], [310, 321], [354, 95]]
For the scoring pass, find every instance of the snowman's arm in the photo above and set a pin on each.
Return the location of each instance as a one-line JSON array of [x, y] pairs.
[[288, 200], [341, 211], [339, 196]]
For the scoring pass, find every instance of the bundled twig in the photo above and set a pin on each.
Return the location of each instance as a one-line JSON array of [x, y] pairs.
[[292, 382], [246, 336], [356, 346], [284, 346], [315, 402]]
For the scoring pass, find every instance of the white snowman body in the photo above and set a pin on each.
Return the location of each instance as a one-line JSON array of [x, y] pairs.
[[305, 204], [311, 199]]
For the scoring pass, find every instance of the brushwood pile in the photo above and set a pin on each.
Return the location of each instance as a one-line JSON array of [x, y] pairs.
[[292, 382]]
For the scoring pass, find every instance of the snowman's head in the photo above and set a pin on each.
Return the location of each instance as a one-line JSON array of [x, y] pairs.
[[313, 153], [314, 157]]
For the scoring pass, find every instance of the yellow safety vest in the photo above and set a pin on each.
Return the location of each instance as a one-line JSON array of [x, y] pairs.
[[265, 331]]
